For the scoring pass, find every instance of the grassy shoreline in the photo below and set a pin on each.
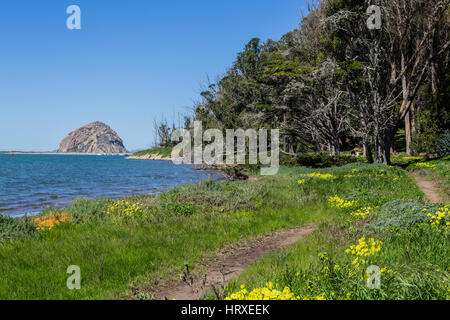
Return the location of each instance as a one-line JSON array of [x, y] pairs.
[[156, 153], [125, 248], [171, 232]]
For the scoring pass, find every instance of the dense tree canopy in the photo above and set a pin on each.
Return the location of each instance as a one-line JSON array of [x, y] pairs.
[[333, 83]]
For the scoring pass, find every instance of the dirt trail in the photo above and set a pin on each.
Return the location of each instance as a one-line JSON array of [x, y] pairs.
[[229, 263], [428, 187]]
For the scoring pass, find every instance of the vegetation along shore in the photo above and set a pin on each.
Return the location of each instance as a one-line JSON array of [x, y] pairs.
[[140, 247], [363, 189], [159, 153]]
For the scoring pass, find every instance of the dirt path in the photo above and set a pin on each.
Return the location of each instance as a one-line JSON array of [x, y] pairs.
[[229, 263], [428, 187]]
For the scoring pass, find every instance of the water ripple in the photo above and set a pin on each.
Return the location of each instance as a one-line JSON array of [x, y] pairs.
[[30, 183]]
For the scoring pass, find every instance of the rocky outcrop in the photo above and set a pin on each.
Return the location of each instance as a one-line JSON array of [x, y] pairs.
[[95, 137]]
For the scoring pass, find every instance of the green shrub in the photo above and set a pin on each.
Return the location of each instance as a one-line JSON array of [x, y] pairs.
[[14, 229], [443, 145], [401, 214], [213, 196], [241, 172], [185, 209], [87, 209], [317, 160], [287, 160]]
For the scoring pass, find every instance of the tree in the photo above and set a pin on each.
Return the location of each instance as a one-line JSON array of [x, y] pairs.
[[333, 77], [323, 110], [396, 60]]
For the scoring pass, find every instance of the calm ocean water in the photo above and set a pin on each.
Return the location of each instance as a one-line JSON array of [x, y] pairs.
[[30, 183]]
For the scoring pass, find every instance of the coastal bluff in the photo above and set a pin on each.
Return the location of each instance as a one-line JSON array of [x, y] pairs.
[[95, 137]]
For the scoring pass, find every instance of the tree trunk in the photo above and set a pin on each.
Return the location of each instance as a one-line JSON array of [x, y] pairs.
[[291, 148], [408, 115], [408, 133], [284, 135], [334, 147], [387, 146], [434, 89], [383, 145], [316, 146], [368, 151], [434, 76], [379, 151]]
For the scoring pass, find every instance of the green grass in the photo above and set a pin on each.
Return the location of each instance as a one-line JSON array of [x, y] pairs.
[[417, 253], [419, 259], [116, 256], [121, 255], [164, 152]]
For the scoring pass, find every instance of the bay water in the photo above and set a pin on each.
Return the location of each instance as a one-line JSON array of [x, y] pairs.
[[31, 182]]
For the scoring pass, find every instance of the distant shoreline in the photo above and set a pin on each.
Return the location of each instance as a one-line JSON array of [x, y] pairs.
[[66, 153], [150, 157]]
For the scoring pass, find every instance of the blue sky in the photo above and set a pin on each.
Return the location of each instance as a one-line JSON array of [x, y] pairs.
[[132, 61]]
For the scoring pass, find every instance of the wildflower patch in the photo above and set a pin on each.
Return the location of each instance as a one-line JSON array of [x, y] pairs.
[[337, 202], [425, 165], [364, 250], [125, 209], [47, 222], [267, 293], [440, 218], [363, 213]]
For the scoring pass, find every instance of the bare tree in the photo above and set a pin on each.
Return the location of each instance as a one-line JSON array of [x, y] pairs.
[[396, 60], [319, 111], [413, 25]]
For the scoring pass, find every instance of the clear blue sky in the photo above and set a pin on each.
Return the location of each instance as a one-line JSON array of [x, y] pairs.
[[132, 61]]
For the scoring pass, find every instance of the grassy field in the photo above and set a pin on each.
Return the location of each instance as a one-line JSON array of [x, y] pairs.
[[126, 247], [140, 244], [410, 246]]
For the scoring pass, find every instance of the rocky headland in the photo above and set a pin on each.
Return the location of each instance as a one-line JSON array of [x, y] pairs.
[[95, 137]]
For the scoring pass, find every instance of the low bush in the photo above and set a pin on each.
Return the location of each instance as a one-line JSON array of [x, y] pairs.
[[82, 210], [443, 145], [401, 214], [212, 195], [317, 160], [15, 229], [241, 172]]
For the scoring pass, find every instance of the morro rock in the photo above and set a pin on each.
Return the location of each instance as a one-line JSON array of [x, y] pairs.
[[95, 137]]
